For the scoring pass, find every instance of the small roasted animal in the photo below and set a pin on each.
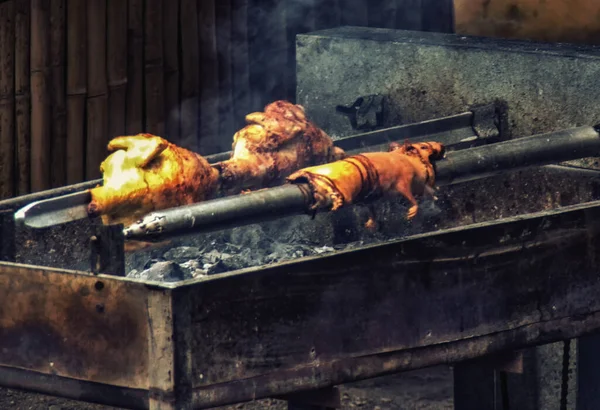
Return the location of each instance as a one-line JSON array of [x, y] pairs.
[[274, 144], [405, 170], [145, 173]]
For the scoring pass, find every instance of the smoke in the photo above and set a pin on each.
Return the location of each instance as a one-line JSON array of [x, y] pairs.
[[255, 57]]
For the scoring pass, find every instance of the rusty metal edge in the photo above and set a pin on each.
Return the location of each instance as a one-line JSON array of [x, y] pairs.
[[327, 374], [150, 285], [73, 389]]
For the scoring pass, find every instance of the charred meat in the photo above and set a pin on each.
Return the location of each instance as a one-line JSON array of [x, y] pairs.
[[274, 144], [404, 170]]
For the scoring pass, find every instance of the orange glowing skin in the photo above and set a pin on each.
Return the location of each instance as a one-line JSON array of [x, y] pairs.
[[404, 170]]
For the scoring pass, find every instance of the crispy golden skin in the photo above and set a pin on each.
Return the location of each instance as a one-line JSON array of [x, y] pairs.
[[274, 144], [145, 173], [404, 170]]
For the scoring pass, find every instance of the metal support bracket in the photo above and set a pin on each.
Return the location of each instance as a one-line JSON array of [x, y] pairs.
[[7, 236], [490, 121], [107, 250], [365, 113]]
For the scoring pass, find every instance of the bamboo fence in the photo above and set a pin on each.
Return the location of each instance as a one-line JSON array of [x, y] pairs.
[[76, 73]]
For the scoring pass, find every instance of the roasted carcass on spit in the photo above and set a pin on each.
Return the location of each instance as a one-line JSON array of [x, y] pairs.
[[146, 173], [274, 144], [406, 170]]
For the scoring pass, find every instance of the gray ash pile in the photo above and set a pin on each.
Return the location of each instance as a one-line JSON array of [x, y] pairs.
[[276, 241], [239, 248]]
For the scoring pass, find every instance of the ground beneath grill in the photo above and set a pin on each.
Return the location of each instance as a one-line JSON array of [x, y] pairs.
[[424, 389]]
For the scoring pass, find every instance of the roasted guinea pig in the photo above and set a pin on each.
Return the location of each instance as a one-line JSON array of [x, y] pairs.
[[404, 170], [274, 144], [145, 173]]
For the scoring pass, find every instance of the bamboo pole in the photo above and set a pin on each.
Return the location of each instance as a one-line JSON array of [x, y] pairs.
[[40, 95], [190, 74], [97, 98], [223, 16], [153, 68], [76, 89], [209, 79], [22, 95], [240, 62], [135, 67], [116, 66], [58, 44], [7, 99], [171, 69]]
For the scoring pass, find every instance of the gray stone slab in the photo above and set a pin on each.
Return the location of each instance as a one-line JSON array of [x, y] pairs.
[[427, 75]]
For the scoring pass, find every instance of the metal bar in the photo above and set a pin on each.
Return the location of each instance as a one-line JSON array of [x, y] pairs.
[[73, 389], [55, 211], [20, 201], [217, 214], [493, 159], [287, 200]]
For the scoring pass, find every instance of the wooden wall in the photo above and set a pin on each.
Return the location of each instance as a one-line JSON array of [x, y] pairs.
[[566, 21], [75, 73]]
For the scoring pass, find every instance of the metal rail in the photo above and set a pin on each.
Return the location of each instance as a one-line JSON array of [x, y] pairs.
[[293, 199], [454, 130]]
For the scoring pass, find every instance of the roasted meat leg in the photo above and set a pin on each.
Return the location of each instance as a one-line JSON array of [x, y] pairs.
[[404, 170], [274, 144], [146, 173]]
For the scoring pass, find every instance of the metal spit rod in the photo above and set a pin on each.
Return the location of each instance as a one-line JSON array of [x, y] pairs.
[[293, 199], [66, 204]]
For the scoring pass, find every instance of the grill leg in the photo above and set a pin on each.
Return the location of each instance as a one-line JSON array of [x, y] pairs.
[[546, 381], [323, 399]]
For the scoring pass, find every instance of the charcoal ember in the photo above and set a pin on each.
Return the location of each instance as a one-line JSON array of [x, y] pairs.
[[253, 237], [193, 268], [162, 271], [152, 262], [214, 268], [350, 245], [282, 252], [214, 256], [219, 262], [182, 254]]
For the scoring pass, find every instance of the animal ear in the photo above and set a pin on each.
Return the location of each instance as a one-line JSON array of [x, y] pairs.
[[394, 146]]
